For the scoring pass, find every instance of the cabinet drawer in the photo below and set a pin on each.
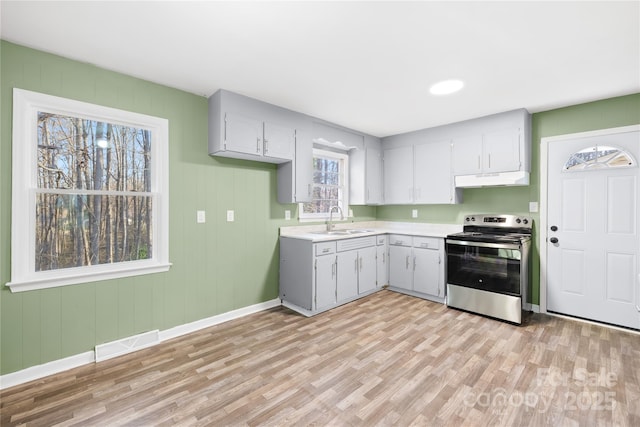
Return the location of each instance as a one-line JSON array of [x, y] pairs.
[[381, 239], [426, 242], [351, 244], [400, 240], [325, 248]]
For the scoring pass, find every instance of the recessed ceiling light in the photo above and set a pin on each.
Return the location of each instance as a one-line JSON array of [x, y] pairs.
[[446, 87]]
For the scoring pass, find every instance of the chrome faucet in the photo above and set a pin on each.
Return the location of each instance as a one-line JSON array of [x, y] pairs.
[[330, 224]]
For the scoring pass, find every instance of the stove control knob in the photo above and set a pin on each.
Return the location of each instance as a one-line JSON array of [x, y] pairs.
[[518, 220], [467, 219], [525, 221], [473, 218]]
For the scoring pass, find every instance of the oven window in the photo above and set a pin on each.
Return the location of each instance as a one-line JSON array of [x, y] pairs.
[[489, 269]]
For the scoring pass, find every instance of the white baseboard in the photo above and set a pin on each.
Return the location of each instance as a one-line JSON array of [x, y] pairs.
[[535, 308], [126, 345], [46, 369], [215, 320]]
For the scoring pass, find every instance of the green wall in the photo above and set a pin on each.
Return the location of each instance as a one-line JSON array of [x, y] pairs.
[[217, 266]]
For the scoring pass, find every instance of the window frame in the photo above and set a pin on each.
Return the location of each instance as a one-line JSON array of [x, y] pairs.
[[24, 277], [344, 172]]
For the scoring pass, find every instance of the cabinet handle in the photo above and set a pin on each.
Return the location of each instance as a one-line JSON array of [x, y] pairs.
[[414, 263], [489, 158], [257, 145], [360, 263], [356, 263], [407, 263], [333, 270], [383, 257], [266, 146], [478, 162]]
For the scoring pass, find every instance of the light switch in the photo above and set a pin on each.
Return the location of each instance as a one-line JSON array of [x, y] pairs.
[[201, 217], [533, 206], [230, 216], [414, 213], [350, 213], [287, 215]]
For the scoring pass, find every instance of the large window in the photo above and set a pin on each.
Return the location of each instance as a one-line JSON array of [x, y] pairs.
[[89, 192], [330, 185]]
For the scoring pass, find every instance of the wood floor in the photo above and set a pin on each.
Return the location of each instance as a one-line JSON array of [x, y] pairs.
[[388, 359]]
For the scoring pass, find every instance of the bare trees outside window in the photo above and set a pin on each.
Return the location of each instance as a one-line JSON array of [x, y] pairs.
[[90, 192], [329, 184], [93, 202]]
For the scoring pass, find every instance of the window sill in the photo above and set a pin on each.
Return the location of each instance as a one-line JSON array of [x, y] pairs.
[[77, 276]]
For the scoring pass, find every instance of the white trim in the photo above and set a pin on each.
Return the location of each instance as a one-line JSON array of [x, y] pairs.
[[24, 277], [46, 369], [593, 322], [544, 189], [344, 173], [188, 328], [126, 345], [57, 366]]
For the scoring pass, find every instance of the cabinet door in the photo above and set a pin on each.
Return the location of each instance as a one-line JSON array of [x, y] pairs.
[[367, 269], [279, 141], [383, 266], [398, 172], [433, 180], [467, 155], [243, 134], [373, 175], [400, 267], [325, 277], [501, 151], [303, 166], [426, 277], [347, 283]]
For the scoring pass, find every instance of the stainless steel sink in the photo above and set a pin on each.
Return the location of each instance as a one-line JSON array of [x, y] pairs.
[[333, 233], [342, 232]]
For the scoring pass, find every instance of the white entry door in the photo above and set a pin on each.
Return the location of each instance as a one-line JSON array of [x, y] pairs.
[[593, 244]]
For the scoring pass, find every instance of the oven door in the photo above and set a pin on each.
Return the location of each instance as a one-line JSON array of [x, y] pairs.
[[492, 267]]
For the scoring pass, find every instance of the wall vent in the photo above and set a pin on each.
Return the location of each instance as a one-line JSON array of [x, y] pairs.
[[126, 345]]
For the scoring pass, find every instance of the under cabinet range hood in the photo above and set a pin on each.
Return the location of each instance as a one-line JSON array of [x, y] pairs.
[[492, 179]]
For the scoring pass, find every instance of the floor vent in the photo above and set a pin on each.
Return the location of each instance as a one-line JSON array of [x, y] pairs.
[[126, 345]]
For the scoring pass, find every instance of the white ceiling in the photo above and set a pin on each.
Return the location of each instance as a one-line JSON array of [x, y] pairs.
[[364, 65]]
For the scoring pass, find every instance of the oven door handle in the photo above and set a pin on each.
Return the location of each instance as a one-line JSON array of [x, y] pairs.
[[484, 244]]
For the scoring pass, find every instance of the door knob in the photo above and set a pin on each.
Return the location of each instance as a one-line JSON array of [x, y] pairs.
[[553, 240], [554, 228]]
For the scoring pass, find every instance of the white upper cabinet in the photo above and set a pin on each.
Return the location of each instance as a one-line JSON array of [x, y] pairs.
[[433, 180], [501, 150], [279, 141], [245, 128], [493, 150], [467, 154], [365, 173], [398, 175]]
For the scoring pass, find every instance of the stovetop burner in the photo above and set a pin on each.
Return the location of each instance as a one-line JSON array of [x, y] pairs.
[[494, 228]]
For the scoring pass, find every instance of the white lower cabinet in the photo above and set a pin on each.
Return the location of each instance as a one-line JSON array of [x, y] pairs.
[[325, 281], [315, 277], [382, 261], [416, 266]]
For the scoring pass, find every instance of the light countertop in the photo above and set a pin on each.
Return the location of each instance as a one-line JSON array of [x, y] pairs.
[[317, 233]]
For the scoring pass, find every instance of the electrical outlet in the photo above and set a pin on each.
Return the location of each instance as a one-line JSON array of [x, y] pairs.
[[287, 215], [350, 213], [533, 206], [230, 216], [201, 217], [414, 213]]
